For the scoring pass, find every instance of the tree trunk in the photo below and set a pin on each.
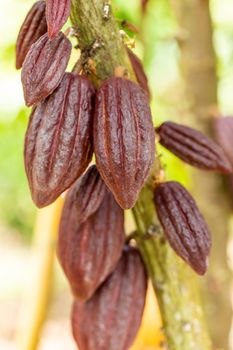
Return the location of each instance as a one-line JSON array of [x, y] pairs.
[[199, 71], [173, 281]]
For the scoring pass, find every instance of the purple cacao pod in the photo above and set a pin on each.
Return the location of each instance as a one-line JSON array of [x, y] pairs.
[[89, 252], [193, 147], [57, 13], [33, 27], [111, 318], [124, 138], [90, 191], [223, 128], [44, 67], [139, 71], [58, 145], [183, 224]]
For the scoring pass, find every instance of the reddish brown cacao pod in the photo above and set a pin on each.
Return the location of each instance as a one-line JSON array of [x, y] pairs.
[[193, 147], [111, 318], [33, 27], [90, 191], [123, 138], [223, 128], [57, 13], [89, 252], [44, 67], [183, 224], [139, 71], [58, 140]]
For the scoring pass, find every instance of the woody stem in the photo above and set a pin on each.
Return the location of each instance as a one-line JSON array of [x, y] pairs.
[[175, 284]]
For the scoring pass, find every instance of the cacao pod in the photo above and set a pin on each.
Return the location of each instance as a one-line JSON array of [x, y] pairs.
[[223, 128], [58, 139], [139, 71], [90, 191], [89, 252], [124, 138], [57, 13], [33, 27], [44, 67], [193, 147], [111, 318], [183, 224]]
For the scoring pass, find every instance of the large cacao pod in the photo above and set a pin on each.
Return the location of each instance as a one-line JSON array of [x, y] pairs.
[[124, 138], [223, 127], [89, 193], [44, 67], [183, 224], [33, 27], [139, 71], [193, 147], [111, 318], [58, 145], [57, 13], [89, 252]]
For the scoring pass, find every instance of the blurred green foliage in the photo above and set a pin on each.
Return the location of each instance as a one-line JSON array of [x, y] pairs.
[[17, 209], [155, 44]]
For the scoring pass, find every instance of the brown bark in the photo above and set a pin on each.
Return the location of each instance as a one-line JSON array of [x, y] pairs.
[[199, 70]]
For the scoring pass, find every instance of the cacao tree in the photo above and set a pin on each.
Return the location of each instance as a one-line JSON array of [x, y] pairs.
[[102, 107]]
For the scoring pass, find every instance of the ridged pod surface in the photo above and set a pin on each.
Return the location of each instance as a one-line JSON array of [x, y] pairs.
[[58, 145], [111, 318], [223, 128], [193, 147], [89, 252], [33, 27], [124, 138], [57, 13], [44, 67], [89, 193], [183, 224], [139, 71]]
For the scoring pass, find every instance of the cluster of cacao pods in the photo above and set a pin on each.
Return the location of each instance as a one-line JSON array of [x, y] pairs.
[[182, 222], [103, 272], [70, 121]]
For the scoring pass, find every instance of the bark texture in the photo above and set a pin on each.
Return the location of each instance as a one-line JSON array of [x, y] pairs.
[[174, 282], [198, 66]]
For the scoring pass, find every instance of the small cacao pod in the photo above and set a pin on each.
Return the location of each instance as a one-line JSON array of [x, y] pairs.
[[139, 71], [57, 13], [44, 67], [223, 128], [90, 191], [58, 139], [193, 147], [124, 138], [33, 27], [183, 224], [111, 318], [89, 252]]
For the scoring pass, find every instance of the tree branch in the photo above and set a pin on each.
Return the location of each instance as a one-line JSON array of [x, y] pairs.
[[99, 39], [173, 281], [198, 64]]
